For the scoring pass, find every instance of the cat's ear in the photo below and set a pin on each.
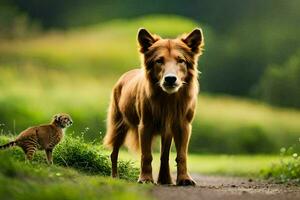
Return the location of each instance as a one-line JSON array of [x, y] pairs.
[[56, 117]]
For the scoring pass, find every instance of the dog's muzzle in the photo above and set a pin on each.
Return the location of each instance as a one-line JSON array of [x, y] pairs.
[[170, 84]]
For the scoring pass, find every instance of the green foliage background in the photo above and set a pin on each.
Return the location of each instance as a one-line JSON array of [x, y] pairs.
[[243, 38], [74, 72], [65, 57]]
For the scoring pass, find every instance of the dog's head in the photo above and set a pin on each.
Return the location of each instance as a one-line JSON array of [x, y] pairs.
[[62, 120], [171, 63]]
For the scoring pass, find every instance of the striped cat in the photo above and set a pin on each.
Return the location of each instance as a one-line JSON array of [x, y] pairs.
[[43, 137]]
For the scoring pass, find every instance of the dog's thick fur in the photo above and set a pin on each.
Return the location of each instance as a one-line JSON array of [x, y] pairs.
[[160, 98]]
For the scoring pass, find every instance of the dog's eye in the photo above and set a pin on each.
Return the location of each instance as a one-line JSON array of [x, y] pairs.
[[160, 61], [180, 60]]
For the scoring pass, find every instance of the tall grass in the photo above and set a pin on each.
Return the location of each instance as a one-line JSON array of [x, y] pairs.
[[74, 153], [25, 181]]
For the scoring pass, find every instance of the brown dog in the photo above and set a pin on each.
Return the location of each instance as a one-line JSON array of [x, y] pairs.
[[160, 98]]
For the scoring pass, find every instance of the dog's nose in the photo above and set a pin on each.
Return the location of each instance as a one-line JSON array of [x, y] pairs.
[[170, 79]]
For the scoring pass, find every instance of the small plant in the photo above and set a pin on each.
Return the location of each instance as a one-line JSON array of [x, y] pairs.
[[288, 169]]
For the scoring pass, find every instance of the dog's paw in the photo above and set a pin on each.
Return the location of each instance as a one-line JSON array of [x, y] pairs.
[[186, 182], [164, 181], [145, 179], [114, 175]]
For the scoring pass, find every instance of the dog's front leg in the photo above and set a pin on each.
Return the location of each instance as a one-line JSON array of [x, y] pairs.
[[164, 176], [146, 135], [181, 139]]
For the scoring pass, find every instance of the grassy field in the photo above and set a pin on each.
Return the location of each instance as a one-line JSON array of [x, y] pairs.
[[33, 181], [74, 72], [81, 171], [227, 165]]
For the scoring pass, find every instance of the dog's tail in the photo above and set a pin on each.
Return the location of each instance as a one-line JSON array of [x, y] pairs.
[[132, 141], [8, 145], [118, 132]]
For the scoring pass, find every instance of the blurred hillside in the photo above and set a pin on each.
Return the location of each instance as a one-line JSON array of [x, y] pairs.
[[246, 41], [74, 71], [65, 56]]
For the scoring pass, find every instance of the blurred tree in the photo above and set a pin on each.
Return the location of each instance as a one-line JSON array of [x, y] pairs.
[[237, 58], [280, 84], [14, 23]]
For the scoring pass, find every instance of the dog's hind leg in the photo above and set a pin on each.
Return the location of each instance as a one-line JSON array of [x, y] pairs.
[[115, 138], [115, 135], [120, 134], [116, 131]]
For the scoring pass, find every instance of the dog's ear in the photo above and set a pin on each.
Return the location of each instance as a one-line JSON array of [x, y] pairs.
[[145, 40], [194, 40]]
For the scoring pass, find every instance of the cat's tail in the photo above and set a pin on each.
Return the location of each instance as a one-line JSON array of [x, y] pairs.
[[8, 145]]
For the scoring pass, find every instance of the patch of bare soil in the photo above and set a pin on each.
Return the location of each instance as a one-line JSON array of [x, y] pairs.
[[231, 188]]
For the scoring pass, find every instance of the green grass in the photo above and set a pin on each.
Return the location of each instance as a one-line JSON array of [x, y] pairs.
[[227, 165], [92, 159], [34, 181], [231, 165], [74, 72], [74, 153], [287, 170], [80, 171]]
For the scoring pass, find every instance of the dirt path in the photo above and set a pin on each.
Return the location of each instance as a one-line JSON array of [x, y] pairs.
[[217, 187]]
